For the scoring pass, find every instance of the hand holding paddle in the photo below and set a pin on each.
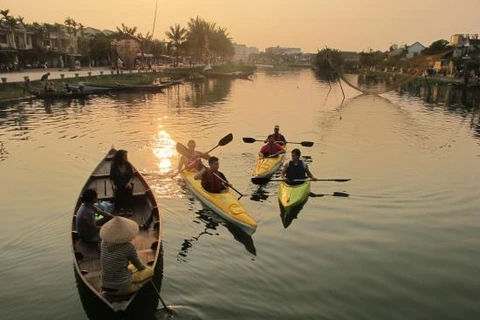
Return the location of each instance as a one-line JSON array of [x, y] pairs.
[[303, 143]]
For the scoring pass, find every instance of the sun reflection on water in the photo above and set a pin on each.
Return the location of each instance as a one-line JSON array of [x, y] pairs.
[[164, 150]]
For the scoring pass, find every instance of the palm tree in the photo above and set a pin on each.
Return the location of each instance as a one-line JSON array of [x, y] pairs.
[[125, 29], [11, 23], [197, 39], [177, 36]]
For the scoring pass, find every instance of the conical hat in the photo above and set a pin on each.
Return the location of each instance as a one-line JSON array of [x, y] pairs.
[[119, 230]]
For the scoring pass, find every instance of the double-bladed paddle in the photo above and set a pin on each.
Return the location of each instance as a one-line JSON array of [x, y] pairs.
[[303, 143], [257, 180], [185, 152], [335, 194]]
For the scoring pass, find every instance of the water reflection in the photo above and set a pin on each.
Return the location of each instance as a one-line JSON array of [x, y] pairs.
[[164, 150], [211, 221], [198, 94], [260, 194], [144, 306], [289, 214]]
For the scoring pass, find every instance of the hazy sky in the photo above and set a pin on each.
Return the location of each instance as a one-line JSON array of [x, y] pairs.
[[309, 24]]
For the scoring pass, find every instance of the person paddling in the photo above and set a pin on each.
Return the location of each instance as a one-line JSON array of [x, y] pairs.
[[296, 169], [277, 136], [193, 161], [271, 149], [213, 180]]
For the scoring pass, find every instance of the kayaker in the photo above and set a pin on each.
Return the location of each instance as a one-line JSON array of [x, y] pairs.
[[193, 162], [86, 225], [296, 169], [278, 137], [121, 178], [122, 270], [271, 149], [213, 180]]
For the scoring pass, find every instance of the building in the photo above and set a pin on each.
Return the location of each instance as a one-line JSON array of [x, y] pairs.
[[281, 50], [464, 44], [414, 49], [242, 52]]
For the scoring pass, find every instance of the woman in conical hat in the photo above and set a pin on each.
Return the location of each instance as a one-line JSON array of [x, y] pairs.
[[123, 272]]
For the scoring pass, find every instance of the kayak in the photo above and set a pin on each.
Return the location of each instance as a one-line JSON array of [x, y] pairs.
[[225, 204], [291, 196], [266, 167]]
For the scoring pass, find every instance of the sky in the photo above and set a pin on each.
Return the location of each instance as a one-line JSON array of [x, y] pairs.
[[347, 25]]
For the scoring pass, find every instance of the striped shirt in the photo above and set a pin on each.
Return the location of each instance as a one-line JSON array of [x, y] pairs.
[[115, 259]]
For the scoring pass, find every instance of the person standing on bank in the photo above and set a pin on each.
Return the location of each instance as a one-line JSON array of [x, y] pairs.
[[122, 270], [296, 169], [278, 137], [44, 78], [213, 180], [121, 178], [87, 226]]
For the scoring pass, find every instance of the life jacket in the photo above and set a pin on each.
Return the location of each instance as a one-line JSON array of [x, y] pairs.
[[271, 149], [212, 183], [296, 172], [278, 137]]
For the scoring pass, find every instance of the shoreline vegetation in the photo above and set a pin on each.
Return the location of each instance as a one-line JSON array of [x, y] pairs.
[[15, 91]]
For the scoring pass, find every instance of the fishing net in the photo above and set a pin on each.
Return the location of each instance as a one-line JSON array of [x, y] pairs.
[[410, 70]]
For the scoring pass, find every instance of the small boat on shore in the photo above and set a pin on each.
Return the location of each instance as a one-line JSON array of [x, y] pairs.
[[147, 243]]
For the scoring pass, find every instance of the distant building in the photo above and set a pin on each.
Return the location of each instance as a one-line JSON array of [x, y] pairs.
[[464, 44], [281, 50], [242, 52], [414, 49]]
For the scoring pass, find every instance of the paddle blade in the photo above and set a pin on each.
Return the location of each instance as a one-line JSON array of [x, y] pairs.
[[248, 140], [307, 143], [226, 140], [256, 180], [340, 194], [182, 150]]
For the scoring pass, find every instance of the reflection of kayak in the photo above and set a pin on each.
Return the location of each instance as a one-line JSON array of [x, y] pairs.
[[147, 242], [266, 167], [291, 196], [225, 205]]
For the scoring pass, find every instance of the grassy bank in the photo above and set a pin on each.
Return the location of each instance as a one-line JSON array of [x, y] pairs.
[[15, 90]]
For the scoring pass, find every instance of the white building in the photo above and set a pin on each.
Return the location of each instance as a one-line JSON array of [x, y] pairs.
[[281, 50], [414, 49], [242, 52]]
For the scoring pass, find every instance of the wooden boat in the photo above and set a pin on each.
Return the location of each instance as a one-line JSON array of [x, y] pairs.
[[147, 242]]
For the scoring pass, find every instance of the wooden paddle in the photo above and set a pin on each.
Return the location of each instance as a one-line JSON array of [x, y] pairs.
[[303, 143], [185, 152], [256, 180], [169, 311]]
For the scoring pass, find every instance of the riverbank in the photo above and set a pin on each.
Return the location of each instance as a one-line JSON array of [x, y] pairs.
[[14, 90]]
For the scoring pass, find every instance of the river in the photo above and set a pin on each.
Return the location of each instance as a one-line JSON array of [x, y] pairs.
[[404, 245]]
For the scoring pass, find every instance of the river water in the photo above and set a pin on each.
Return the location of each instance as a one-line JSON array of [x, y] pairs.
[[404, 245]]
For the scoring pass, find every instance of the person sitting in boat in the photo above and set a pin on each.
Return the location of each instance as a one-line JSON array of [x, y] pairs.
[[193, 162], [271, 149], [279, 138], [121, 178], [213, 180], [123, 272], [87, 226], [296, 169]]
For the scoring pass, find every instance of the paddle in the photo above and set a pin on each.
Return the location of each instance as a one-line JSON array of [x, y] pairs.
[[184, 152], [169, 311], [303, 143], [256, 180], [335, 194]]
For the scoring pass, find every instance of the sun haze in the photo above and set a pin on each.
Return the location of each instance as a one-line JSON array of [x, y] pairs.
[[307, 24]]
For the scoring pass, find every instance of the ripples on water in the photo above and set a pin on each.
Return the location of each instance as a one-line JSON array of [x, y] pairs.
[[404, 245]]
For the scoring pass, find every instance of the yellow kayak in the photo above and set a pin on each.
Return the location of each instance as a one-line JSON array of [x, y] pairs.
[[266, 167], [225, 204], [293, 195]]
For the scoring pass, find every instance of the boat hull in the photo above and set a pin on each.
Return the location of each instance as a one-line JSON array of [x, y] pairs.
[[225, 205], [148, 241], [291, 196]]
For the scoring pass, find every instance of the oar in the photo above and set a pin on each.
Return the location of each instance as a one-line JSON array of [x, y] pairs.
[[257, 180], [303, 143], [184, 152], [222, 142], [169, 311], [335, 194]]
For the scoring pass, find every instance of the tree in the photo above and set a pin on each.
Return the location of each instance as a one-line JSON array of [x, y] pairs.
[[437, 47], [177, 35], [125, 29], [11, 24]]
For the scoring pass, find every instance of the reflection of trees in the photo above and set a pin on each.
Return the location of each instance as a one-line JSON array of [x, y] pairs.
[[197, 94]]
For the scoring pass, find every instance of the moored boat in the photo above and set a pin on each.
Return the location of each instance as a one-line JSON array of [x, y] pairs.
[[147, 242], [225, 204]]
